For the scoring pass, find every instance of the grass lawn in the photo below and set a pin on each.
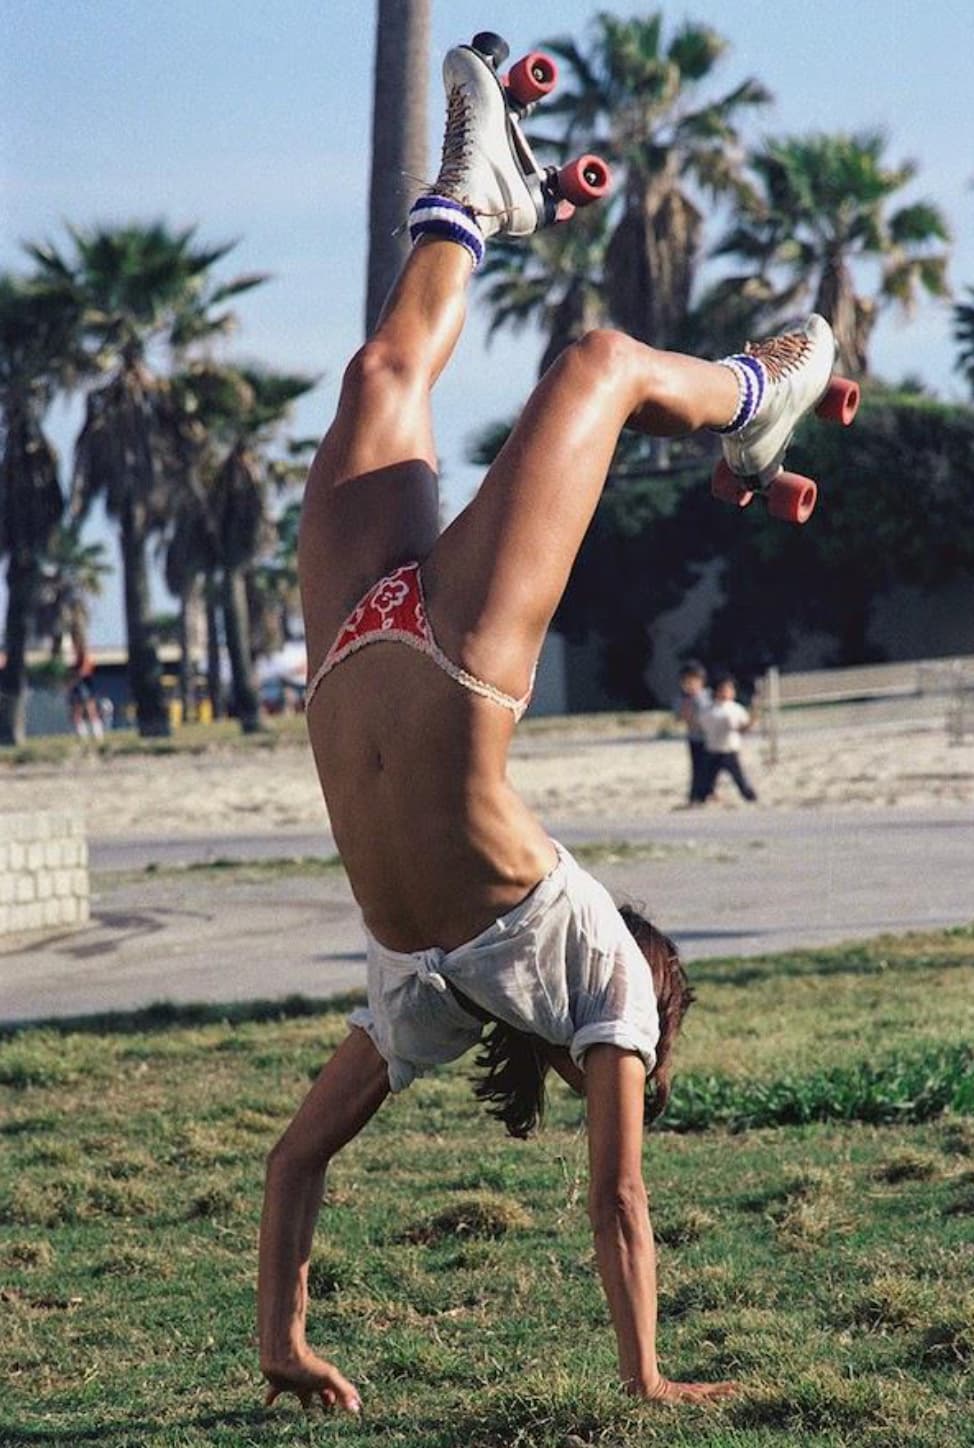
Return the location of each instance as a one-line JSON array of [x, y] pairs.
[[283, 730], [52, 749], [813, 1213]]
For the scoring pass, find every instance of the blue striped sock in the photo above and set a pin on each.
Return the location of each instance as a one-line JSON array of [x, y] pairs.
[[443, 217], [752, 382]]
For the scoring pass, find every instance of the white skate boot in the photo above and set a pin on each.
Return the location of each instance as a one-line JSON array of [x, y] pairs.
[[488, 167], [780, 380], [481, 167]]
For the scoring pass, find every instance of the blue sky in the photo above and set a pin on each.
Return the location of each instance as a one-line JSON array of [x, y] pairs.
[[252, 119]]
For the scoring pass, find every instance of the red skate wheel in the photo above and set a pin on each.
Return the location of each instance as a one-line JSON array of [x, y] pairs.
[[532, 78], [728, 487], [584, 180], [792, 498], [840, 403]]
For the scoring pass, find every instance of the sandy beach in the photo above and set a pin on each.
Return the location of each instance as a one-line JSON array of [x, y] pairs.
[[573, 772]]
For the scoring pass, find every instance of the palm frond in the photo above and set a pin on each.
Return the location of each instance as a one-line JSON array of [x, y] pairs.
[[483, 447], [919, 224], [237, 286], [964, 337], [695, 50]]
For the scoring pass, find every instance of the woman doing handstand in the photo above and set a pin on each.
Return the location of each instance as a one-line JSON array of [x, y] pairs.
[[472, 913]]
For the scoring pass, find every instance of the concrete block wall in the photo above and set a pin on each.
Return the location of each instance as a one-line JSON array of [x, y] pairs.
[[43, 871]]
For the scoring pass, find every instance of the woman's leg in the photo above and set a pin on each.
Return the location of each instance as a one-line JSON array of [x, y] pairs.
[[497, 574], [371, 499]]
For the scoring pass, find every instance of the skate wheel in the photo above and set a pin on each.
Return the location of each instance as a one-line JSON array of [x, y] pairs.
[[492, 46], [728, 487], [584, 180], [791, 498], [532, 78], [840, 403]]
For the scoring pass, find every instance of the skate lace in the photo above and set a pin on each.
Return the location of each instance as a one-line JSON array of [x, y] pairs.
[[456, 141], [781, 355]]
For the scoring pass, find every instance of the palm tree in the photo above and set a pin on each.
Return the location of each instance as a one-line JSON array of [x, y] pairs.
[[557, 282], [189, 565], [222, 524], [821, 209], [634, 100], [71, 574], [964, 336], [140, 286], [398, 139], [37, 335], [272, 584]]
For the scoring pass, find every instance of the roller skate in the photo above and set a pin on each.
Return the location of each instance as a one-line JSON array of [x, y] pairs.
[[780, 380], [488, 166]]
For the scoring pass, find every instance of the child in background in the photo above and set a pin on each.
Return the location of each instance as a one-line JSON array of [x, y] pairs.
[[723, 724], [85, 716], [693, 700]]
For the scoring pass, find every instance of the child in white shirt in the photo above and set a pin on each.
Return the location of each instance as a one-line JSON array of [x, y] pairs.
[[723, 724]]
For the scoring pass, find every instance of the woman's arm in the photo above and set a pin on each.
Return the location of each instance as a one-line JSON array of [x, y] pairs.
[[347, 1093], [615, 1082]]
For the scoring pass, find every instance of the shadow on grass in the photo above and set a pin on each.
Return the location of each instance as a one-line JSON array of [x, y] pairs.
[[831, 961], [168, 1015], [125, 1432], [692, 933]]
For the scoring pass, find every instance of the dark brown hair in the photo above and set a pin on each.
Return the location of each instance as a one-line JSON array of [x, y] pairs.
[[515, 1068], [674, 998]]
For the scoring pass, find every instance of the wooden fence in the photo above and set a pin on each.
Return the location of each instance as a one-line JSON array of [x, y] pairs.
[[944, 687]]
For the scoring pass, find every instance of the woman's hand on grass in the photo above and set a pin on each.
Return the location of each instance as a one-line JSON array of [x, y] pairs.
[[663, 1391], [311, 1379]]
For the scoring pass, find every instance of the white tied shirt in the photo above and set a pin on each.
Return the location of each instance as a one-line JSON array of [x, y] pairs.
[[722, 724], [561, 966]]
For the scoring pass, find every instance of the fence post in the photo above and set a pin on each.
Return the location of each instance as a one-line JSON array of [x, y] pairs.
[[772, 710], [956, 704]]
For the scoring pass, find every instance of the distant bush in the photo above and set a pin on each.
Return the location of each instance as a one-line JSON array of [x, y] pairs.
[[48, 673]]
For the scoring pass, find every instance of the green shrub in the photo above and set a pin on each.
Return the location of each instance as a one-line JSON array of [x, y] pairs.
[[902, 1088]]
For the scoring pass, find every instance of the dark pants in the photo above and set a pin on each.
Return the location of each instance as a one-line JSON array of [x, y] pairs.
[[700, 783], [732, 764]]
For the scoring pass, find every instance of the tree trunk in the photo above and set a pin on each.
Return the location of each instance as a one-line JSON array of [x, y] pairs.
[[237, 629], [651, 262], [578, 312], [399, 164], [185, 663], [23, 576], [145, 680], [836, 301], [853, 627], [866, 317], [214, 684]]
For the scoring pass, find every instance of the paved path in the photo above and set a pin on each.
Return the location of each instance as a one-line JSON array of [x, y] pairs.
[[728, 882]]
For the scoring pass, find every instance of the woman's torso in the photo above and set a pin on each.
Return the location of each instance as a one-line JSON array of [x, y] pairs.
[[413, 767]]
